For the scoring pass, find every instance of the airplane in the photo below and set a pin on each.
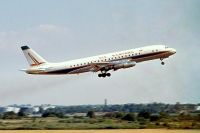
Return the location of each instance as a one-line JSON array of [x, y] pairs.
[[101, 63]]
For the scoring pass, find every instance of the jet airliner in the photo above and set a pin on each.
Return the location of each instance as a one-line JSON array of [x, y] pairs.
[[101, 63]]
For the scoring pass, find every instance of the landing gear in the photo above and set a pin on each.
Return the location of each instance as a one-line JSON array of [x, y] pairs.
[[99, 75], [108, 74], [104, 75], [162, 62]]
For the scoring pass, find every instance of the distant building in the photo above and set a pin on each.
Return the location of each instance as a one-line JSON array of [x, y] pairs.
[[75, 114], [105, 102], [10, 108], [36, 109], [198, 108], [47, 106]]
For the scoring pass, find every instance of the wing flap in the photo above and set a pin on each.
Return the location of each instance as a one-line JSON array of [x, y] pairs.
[[81, 70]]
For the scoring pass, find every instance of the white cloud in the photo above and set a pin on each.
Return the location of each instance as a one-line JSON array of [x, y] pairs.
[[34, 35], [51, 28]]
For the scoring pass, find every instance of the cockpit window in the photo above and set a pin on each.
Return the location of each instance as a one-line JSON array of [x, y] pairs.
[[166, 47]]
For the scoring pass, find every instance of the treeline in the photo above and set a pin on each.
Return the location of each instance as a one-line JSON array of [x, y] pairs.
[[152, 108], [107, 120]]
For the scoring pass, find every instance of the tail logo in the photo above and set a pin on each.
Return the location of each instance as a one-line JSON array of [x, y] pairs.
[[34, 60]]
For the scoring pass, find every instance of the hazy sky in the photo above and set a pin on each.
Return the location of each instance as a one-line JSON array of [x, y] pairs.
[[61, 30]]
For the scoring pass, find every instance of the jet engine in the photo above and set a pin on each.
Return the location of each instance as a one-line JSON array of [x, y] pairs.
[[124, 65]]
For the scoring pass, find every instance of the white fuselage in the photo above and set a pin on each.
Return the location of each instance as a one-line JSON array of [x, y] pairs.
[[105, 60]]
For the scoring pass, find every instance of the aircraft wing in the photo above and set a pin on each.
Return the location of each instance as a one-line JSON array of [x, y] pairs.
[[98, 66], [95, 67], [118, 64]]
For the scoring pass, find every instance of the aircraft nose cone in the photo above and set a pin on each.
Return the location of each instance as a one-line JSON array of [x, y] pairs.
[[173, 51]]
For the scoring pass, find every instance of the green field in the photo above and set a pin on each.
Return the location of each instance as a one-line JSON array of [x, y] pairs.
[[103, 131], [51, 123]]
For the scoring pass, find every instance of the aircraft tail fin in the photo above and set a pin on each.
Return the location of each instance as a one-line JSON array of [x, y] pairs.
[[32, 57]]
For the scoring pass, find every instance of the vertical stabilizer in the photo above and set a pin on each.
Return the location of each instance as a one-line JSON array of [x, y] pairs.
[[32, 57]]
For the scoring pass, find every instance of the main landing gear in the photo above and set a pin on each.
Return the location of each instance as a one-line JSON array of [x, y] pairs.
[[104, 75], [162, 62]]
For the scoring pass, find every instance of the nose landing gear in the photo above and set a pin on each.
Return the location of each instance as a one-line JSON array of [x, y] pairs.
[[162, 62]]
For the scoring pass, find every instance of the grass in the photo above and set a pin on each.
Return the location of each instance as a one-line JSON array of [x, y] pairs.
[[103, 131], [51, 123]]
